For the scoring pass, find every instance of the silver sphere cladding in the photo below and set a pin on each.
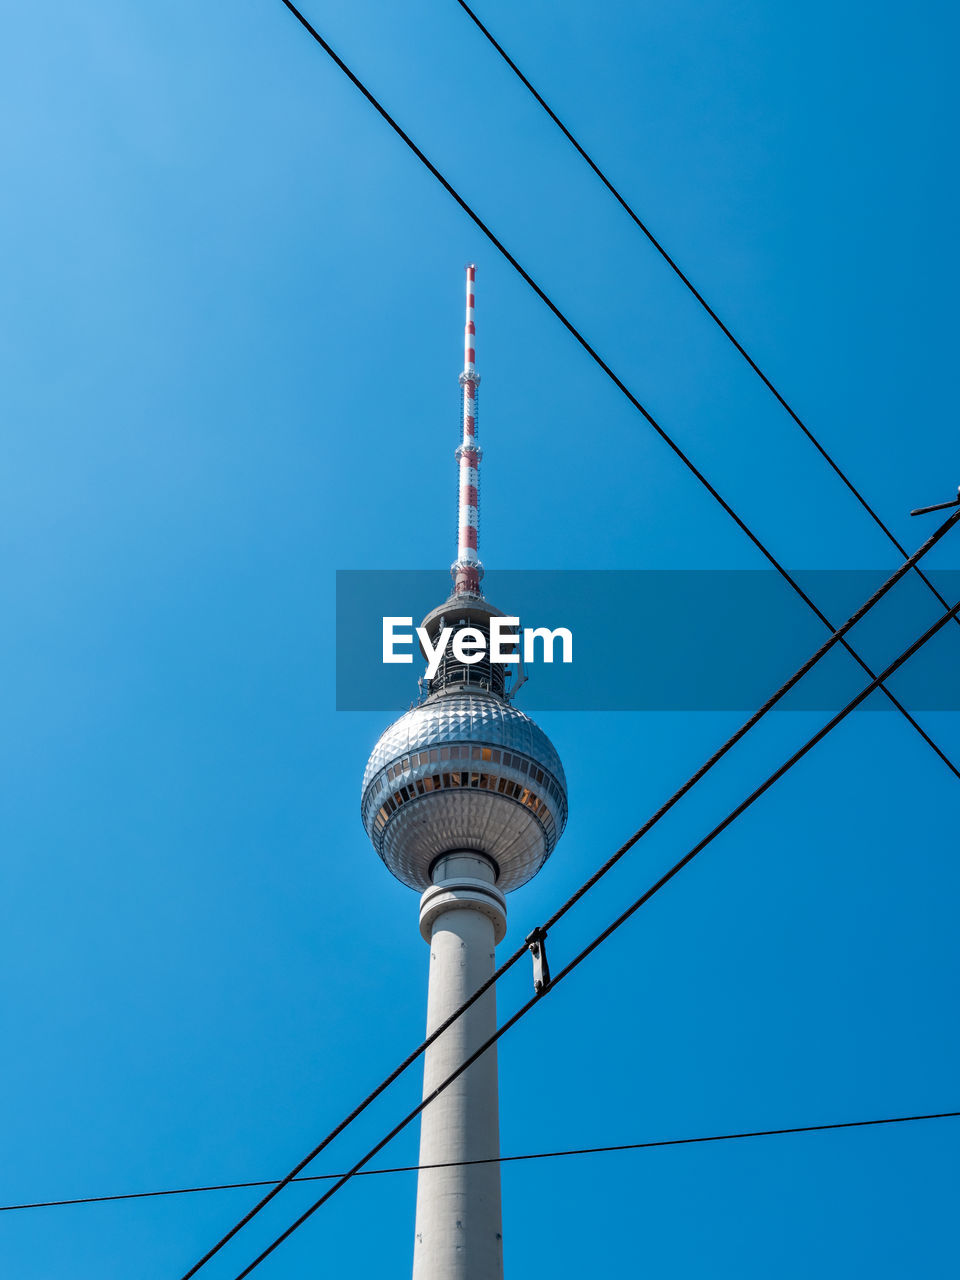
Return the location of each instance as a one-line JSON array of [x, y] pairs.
[[464, 771]]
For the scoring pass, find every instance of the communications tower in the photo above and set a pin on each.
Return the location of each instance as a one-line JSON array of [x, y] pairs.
[[464, 798]]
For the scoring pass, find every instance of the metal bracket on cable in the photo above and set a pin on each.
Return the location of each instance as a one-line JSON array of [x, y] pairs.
[[939, 506], [519, 681], [536, 941]]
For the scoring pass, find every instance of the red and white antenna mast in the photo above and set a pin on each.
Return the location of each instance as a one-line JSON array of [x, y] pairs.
[[467, 569]]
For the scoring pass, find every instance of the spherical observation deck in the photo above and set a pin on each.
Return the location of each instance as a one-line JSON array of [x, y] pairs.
[[464, 770]]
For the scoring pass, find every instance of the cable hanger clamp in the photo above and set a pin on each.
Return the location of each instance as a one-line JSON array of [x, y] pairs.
[[536, 941]]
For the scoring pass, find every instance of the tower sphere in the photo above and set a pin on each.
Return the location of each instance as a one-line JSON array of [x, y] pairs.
[[464, 770]]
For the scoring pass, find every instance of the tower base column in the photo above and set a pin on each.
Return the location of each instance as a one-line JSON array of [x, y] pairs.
[[459, 1223]]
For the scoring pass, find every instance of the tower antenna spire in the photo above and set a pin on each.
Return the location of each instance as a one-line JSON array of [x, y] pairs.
[[467, 570]]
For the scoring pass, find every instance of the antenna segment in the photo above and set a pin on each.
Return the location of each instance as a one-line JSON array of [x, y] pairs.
[[467, 570]]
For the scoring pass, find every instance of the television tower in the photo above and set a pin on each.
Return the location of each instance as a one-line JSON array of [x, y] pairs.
[[464, 799]]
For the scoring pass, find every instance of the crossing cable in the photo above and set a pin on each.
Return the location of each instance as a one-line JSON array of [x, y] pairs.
[[610, 929], [456, 1164], [511, 960], [696, 293], [598, 359], [757, 716]]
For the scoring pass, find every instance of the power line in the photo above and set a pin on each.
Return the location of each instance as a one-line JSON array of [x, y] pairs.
[[584, 888], [752, 720], [610, 929], [674, 266], [598, 359], [452, 1164], [315, 35], [876, 682]]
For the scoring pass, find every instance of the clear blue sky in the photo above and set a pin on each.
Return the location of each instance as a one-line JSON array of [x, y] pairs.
[[231, 325]]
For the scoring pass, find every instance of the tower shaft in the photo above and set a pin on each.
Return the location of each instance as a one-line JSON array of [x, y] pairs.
[[459, 1222]]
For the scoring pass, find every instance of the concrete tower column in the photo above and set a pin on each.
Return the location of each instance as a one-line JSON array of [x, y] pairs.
[[458, 1232]]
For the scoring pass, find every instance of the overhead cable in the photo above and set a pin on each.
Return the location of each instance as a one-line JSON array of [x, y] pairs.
[[598, 359], [610, 929], [641, 831], [671, 262], [452, 1164]]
